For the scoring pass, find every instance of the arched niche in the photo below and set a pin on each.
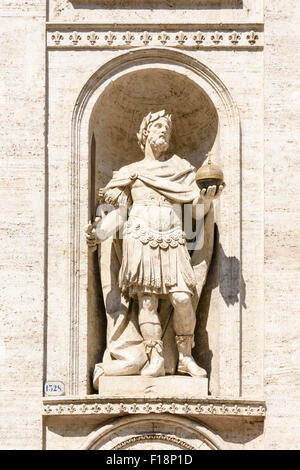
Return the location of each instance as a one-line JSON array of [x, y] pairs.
[[118, 113], [153, 432], [105, 120]]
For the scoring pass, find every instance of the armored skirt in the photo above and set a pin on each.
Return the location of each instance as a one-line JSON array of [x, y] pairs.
[[155, 258]]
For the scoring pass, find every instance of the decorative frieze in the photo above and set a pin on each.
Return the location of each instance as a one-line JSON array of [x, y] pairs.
[[95, 406], [132, 38]]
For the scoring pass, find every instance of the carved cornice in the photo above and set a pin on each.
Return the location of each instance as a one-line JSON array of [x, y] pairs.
[[65, 36], [99, 406]]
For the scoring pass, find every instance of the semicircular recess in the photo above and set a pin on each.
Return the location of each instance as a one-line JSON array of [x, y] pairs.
[[118, 113], [153, 432]]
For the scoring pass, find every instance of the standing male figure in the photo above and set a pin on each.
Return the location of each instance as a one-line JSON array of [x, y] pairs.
[[155, 260]]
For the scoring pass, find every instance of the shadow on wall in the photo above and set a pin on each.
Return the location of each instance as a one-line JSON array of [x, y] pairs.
[[237, 287], [232, 289]]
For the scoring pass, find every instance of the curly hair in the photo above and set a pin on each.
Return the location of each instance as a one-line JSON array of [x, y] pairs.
[[147, 122]]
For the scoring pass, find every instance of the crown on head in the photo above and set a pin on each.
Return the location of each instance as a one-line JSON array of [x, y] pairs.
[[147, 121]]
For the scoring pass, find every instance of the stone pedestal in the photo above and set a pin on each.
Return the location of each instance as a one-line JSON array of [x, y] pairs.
[[137, 386]]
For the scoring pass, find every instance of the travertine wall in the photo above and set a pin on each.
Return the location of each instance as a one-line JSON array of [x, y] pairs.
[[22, 190], [35, 208], [282, 222]]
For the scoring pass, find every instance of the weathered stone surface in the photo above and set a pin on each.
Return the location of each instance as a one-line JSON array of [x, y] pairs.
[[177, 11]]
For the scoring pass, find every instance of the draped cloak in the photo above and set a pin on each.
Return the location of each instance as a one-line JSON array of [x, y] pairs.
[[125, 353]]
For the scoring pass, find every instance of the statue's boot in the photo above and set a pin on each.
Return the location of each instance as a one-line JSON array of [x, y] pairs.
[[156, 366], [186, 362]]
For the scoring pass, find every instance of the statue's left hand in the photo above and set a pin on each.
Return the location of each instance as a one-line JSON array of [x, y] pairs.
[[208, 194]]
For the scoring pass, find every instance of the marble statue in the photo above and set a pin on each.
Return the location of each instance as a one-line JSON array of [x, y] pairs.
[[151, 283]]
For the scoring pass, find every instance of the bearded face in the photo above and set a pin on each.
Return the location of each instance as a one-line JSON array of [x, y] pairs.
[[159, 135]]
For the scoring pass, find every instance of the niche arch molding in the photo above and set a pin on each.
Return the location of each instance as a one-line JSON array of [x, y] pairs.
[[138, 432], [229, 224]]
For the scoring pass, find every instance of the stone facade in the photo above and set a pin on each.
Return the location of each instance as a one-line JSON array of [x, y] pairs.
[[69, 72]]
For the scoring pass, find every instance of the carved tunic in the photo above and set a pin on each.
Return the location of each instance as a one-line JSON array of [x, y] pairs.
[[155, 258]]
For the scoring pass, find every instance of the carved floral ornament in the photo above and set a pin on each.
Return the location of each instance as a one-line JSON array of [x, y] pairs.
[[178, 407], [179, 39]]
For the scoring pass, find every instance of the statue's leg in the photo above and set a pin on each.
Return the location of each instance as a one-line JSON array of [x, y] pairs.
[[152, 332], [148, 317], [184, 321]]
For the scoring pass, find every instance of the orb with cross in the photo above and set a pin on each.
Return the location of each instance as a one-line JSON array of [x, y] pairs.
[[209, 174]]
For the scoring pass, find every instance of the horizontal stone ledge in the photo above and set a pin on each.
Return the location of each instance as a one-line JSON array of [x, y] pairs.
[[63, 26], [159, 3], [187, 3], [180, 48], [95, 405]]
